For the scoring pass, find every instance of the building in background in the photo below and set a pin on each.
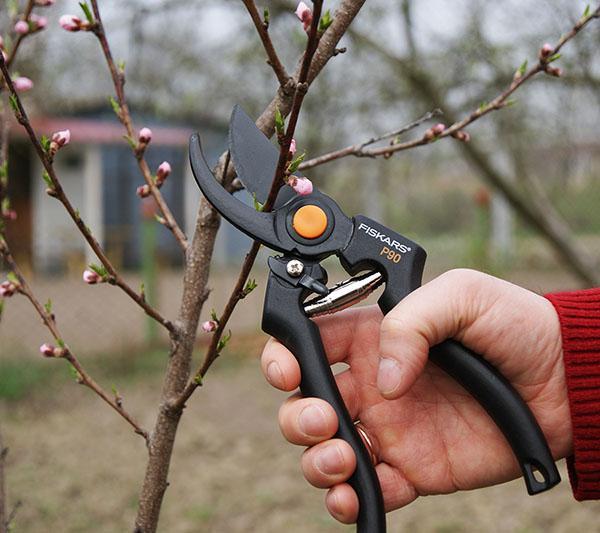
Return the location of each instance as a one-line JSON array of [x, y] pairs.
[[100, 176]]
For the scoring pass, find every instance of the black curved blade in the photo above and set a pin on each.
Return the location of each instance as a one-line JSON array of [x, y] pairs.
[[254, 157]]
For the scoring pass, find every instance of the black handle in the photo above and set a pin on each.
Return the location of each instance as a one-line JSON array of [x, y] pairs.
[[284, 319], [401, 261], [504, 405]]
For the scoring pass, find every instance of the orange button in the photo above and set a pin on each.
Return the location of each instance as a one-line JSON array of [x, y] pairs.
[[310, 221]]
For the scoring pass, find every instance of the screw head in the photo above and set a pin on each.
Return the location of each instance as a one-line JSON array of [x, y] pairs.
[[294, 268]]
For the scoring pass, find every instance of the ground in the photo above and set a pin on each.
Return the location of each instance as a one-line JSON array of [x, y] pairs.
[[77, 467]]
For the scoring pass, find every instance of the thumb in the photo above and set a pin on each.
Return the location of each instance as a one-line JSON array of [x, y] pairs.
[[431, 314]]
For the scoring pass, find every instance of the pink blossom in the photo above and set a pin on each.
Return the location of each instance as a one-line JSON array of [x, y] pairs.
[[70, 22], [304, 13], [40, 22], [209, 325], [438, 129], [293, 147], [145, 135], [61, 137], [554, 71], [91, 277], [44, 3], [7, 289], [463, 136], [143, 191], [47, 350], [302, 186], [22, 84], [21, 27], [546, 50], [4, 56], [10, 214], [163, 170]]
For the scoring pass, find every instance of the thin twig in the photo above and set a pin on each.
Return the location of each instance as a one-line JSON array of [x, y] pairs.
[[118, 78], [57, 192], [49, 321], [20, 38], [358, 150], [237, 294], [499, 102], [263, 31]]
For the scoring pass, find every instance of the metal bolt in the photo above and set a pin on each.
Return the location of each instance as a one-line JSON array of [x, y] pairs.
[[295, 268]]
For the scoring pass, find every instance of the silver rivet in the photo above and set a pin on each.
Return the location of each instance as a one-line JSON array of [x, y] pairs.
[[295, 268]]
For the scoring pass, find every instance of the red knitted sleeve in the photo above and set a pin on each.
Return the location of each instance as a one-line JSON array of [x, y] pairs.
[[579, 315]]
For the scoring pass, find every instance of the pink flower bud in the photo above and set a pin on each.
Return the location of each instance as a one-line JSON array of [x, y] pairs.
[[209, 326], [47, 350], [554, 71], [10, 214], [91, 277], [438, 129], [61, 137], [4, 56], [143, 191], [21, 27], [70, 22], [40, 22], [145, 135], [546, 50], [293, 147], [302, 186], [163, 170], [462, 136], [44, 3], [304, 13], [22, 84], [7, 289]]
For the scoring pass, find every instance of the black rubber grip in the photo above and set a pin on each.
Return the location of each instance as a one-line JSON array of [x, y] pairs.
[[504, 405], [301, 336]]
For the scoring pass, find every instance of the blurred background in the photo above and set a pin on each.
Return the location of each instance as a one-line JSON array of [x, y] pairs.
[[73, 463]]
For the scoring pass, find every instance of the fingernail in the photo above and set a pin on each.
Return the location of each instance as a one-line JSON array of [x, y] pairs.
[[312, 421], [274, 373], [330, 460], [388, 376]]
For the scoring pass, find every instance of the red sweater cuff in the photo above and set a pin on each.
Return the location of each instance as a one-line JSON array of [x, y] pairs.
[[579, 315]]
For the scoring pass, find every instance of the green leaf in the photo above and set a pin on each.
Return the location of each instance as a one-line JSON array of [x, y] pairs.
[[45, 142], [223, 341], [87, 11], [4, 170], [130, 141], [143, 291], [115, 106], [1, 306], [121, 65], [279, 122], [12, 100], [266, 17], [213, 316], [61, 343], [553, 58], [47, 179], [99, 269], [5, 205], [586, 13], [482, 106], [523, 68], [13, 7], [295, 163], [198, 380], [257, 205], [325, 21], [510, 102], [12, 277], [48, 306], [250, 286]]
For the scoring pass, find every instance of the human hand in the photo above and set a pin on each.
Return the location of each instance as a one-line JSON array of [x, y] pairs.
[[429, 435]]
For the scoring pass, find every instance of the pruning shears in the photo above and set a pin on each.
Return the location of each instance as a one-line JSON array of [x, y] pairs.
[[304, 230]]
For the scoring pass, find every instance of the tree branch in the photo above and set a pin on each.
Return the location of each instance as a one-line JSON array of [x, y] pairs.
[[56, 191], [262, 28], [64, 352], [358, 150], [118, 77]]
